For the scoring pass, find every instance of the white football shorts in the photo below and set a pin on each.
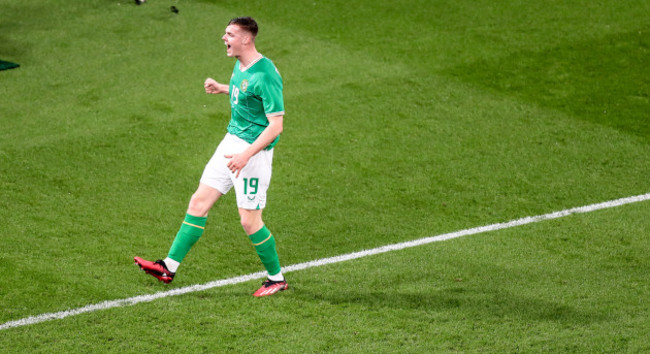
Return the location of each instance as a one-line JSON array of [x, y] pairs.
[[253, 180]]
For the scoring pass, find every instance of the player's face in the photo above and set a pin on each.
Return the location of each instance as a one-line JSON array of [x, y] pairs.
[[234, 40]]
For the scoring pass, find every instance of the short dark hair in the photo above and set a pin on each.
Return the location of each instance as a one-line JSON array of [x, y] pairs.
[[246, 23]]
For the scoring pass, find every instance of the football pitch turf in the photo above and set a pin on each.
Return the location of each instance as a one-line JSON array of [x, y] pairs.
[[404, 120]]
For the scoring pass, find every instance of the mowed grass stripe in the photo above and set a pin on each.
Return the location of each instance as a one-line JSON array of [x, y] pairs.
[[321, 262]]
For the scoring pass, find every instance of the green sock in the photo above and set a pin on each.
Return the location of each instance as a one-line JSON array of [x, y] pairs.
[[264, 244], [190, 232]]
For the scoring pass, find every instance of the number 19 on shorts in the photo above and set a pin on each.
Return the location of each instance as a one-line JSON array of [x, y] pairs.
[[250, 185]]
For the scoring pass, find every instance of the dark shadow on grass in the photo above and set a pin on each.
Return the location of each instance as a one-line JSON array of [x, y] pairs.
[[477, 304], [10, 49], [17, 18]]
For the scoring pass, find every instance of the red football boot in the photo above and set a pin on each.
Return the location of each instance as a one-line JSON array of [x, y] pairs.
[[156, 269], [270, 287]]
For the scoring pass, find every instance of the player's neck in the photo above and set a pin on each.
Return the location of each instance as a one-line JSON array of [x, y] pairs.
[[249, 57]]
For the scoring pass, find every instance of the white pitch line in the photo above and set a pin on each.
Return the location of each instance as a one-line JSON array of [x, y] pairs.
[[320, 262]]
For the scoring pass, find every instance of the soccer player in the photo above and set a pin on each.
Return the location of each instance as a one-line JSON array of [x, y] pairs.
[[242, 160]]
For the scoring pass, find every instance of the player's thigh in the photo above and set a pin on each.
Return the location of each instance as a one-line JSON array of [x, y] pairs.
[[207, 194], [203, 200], [216, 173]]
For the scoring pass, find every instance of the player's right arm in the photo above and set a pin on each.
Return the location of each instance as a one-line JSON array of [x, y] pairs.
[[211, 86]]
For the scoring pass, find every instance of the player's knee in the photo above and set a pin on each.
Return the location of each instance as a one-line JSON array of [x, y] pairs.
[[251, 223], [199, 206], [247, 224]]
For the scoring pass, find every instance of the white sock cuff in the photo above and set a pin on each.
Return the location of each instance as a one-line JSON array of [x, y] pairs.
[[277, 277], [171, 264]]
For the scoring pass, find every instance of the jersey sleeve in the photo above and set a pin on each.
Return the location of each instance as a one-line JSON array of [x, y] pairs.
[[270, 90]]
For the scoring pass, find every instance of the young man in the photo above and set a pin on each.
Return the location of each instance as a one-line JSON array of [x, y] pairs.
[[242, 160]]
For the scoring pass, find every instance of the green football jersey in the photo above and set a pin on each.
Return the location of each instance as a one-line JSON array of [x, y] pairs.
[[255, 94]]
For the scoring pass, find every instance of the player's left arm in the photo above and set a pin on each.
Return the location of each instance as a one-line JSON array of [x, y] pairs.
[[239, 161]]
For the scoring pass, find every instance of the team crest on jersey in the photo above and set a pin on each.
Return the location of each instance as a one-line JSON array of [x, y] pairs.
[[244, 85]]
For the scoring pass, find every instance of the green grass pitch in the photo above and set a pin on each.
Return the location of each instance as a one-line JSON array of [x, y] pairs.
[[404, 120]]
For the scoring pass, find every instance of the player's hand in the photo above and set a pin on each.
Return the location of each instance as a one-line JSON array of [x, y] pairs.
[[211, 86], [237, 163]]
